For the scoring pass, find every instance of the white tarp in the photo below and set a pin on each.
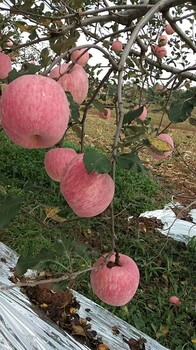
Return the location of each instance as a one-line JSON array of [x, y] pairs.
[[22, 329], [178, 229]]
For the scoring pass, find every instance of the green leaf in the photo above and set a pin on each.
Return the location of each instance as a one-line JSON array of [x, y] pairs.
[[77, 129], [75, 114], [98, 105], [9, 207], [130, 161], [60, 46], [26, 262], [45, 57], [96, 162], [132, 115], [33, 35], [180, 111], [29, 68]]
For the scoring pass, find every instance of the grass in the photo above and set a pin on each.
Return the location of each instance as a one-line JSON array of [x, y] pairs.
[[166, 266]]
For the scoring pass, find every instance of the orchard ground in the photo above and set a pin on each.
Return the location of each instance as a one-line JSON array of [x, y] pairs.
[[166, 266]]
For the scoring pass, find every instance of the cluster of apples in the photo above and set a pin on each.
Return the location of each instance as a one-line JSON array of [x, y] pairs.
[[35, 112], [160, 50]]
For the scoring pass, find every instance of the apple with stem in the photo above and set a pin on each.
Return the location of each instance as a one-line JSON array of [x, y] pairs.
[[34, 111], [115, 282]]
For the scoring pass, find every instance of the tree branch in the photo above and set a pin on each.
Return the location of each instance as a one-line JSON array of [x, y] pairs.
[[181, 34]]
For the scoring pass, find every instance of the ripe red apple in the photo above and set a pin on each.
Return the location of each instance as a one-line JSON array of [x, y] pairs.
[[9, 43], [117, 46], [5, 65], [169, 30], [34, 111], [158, 51], [162, 40], [143, 115], [169, 140], [82, 60], [88, 194], [118, 284], [106, 114], [174, 300], [75, 81], [55, 161]]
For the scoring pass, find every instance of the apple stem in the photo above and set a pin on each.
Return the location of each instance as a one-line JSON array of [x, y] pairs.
[[116, 262], [117, 257]]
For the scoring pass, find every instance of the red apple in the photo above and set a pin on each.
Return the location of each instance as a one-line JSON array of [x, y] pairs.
[[55, 161], [118, 284], [168, 139], [169, 30], [34, 111], [117, 46], [9, 43], [106, 114], [88, 194], [174, 300], [5, 65], [143, 115], [83, 59], [74, 81], [162, 40], [158, 51]]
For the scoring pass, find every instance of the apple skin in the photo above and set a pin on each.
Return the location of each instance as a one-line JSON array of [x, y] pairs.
[[105, 116], [55, 161], [5, 65], [117, 46], [34, 111], [117, 285], [169, 30], [82, 60], [174, 300], [75, 81], [162, 40], [143, 115], [9, 43], [87, 194], [158, 51], [163, 137]]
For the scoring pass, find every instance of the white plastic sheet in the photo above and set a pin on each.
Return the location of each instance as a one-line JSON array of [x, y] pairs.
[[178, 229], [23, 329]]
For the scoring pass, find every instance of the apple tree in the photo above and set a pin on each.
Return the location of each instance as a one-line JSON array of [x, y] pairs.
[[60, 58]]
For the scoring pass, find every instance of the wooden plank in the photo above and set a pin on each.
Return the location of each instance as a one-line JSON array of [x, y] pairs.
[[23, 329]]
